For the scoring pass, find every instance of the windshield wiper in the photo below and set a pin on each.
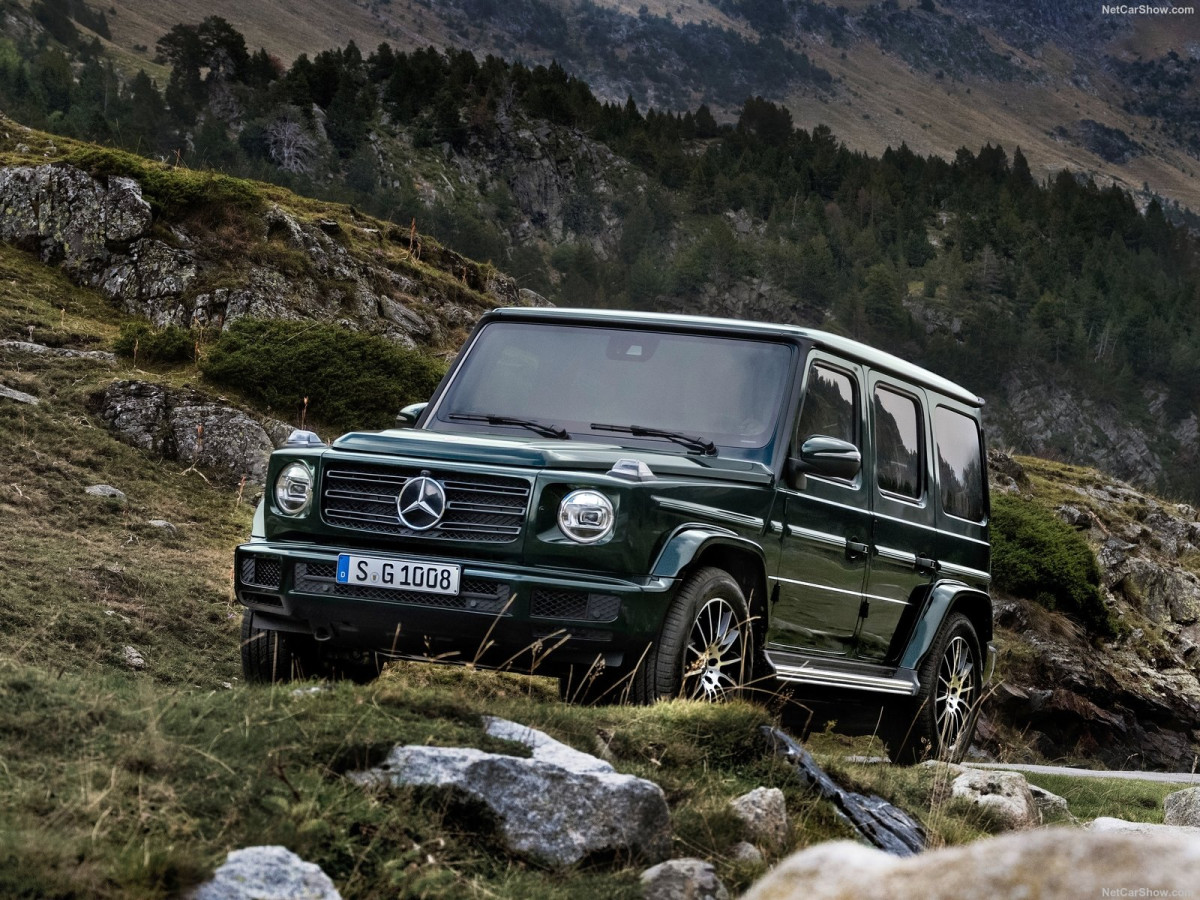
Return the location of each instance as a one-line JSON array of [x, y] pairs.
[[541, 428], [708, 448]]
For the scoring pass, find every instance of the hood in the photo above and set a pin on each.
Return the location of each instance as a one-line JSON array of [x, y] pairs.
[[544, 454]]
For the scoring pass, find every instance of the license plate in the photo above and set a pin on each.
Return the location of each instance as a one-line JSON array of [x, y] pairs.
[[398, 574]]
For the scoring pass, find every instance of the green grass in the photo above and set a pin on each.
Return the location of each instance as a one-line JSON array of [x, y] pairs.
[[1090, 798]]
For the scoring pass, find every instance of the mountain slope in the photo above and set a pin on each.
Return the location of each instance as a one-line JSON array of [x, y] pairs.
[[1053, 79]]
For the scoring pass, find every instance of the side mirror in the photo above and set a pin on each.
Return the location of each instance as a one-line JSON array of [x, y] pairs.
[[407, 417], [831, 457]]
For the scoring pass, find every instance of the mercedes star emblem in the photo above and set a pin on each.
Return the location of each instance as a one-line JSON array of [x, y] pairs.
[[422, 503]]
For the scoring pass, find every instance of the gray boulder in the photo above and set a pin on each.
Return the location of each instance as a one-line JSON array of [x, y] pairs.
[[683, 879], [1005, 794], [764, 814], [107, 491], [1182, 807], [1050, 864], [267, 873], [555, 808], [189, 426]]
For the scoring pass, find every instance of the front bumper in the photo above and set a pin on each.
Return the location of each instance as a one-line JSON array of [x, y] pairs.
[[503, 615]]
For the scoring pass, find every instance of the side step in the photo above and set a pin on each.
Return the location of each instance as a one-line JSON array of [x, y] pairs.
[[820, 673]]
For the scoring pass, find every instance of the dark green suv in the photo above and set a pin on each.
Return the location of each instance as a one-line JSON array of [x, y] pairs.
[[647, 506]]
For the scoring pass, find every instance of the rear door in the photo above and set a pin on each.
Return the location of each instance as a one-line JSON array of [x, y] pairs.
[[823, 560], [904, 539]]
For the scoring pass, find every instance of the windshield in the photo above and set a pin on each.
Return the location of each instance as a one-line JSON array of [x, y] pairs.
[[725, 390]]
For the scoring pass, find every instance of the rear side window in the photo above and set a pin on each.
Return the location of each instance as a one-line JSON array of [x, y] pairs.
[[830, 406], [960, 464], [897, 443]]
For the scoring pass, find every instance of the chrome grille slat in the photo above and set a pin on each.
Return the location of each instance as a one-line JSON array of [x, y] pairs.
[[487, 508]]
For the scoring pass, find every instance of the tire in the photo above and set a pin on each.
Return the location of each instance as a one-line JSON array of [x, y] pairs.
[[940, 721], [271, 657], [705, 650]]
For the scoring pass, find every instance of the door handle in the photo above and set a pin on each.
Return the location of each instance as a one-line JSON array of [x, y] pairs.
[[926, 564], [855, 549]]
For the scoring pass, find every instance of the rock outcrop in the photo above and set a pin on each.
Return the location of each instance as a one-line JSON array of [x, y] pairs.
[[557, 807], [1052, 864], [1132, 702], [191, 427], [103, 233]]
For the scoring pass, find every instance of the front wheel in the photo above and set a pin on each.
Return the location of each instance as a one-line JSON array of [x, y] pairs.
[[940, 721], [705, 650], [270, 656]]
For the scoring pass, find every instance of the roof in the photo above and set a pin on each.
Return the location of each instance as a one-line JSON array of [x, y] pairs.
[[852, 349]]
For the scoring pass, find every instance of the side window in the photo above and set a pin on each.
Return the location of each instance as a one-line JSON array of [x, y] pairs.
[[960, 464], [897, 443], [830, 406]]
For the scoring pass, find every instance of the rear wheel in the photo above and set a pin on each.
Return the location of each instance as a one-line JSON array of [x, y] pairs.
[[705, 650], [940, 721], [270, 656]]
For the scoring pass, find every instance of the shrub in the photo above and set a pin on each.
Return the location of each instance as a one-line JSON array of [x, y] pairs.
[[351, 380], [138, 340], [1037, 555]]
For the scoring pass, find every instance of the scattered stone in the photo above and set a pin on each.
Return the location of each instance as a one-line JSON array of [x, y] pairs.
[[879, 822], [1005, 794], [267, 873], [683, 879], [107, 491], [134, 658], [1110, 824], [1050, 806], [311, 690], [764, 814], [745, 852], [1182, 807], [1053, 864], [164, 525], [64, 352], [556, 808], [18, 396]]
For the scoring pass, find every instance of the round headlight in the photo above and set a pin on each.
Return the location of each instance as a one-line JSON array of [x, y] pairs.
[[586, 517], [294, 489]]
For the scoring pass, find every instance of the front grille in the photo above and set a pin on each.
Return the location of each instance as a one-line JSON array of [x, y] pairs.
[[262, 571], [475, 594], [553, 604], [487, 508], [553, 636]]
